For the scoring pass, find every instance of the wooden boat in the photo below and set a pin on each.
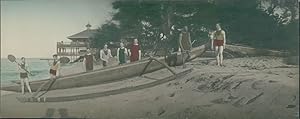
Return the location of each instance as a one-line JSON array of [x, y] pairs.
[[108, 74]]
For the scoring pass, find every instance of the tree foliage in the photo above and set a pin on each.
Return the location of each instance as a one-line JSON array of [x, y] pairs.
[[250, 22], [109, 32]]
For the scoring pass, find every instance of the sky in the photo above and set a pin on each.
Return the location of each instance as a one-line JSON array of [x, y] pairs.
[[31, 28]]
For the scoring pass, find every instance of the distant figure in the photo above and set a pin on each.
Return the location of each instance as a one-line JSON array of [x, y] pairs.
[[122, 52], [185, 40], [219, 41], [54, 67], [135, 51], [185, 44], [88, 61], [105, 54], [23, 75]]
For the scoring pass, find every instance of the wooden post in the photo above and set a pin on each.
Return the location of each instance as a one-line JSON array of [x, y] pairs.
[[165, 65], [172, 71], [146, 67]]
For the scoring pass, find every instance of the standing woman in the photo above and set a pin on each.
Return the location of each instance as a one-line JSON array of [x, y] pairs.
[[122, 53], [88, 61], [135, 51], [219, 43], [23, 75]]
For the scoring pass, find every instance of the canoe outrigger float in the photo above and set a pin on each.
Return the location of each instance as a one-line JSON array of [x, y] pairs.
[[108, 74]]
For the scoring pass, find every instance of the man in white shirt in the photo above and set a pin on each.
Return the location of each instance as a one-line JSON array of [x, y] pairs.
[[105, 54]]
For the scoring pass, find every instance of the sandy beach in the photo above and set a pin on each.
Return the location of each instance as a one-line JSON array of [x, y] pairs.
[[246, 88]]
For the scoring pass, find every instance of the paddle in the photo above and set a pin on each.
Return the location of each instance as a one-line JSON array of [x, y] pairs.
[[51, 84], [51, 81], [12, 58]]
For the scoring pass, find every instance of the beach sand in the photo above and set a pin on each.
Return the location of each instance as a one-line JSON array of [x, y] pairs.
[[246, 88]]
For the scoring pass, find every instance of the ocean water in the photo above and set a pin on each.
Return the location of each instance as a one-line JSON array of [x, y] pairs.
[[9, 71]]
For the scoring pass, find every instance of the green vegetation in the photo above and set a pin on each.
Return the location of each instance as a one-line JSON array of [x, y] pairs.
[[248, 22]]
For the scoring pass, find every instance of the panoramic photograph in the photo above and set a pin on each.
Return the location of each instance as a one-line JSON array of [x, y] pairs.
[[150, 59]]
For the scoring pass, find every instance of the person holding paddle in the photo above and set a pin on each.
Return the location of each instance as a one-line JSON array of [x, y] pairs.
[[54, 74], [54, 67], [23, 69]]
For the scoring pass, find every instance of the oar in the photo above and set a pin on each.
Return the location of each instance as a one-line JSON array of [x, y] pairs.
[[12, 58]]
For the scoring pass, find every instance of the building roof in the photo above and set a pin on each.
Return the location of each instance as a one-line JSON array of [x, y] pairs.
[[88, 33]]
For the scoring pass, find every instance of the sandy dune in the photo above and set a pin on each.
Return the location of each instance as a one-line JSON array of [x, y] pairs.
[[246, 88]]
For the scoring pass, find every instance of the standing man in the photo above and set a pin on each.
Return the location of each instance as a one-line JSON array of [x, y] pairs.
[[185, 44], [54, 73], [122, 53], [54, 67], [185, 40], [219, 41], [105, 54], [135, 51], [23, 67]]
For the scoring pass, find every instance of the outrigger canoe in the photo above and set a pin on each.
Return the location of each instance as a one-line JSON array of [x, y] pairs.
[[108, 74], [121, 72]]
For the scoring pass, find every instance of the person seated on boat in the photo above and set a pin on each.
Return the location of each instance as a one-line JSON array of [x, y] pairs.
[[122, 53], [219, 41], [105, 55], [88, 60], [54, 67], [135, 51], [23, 68]]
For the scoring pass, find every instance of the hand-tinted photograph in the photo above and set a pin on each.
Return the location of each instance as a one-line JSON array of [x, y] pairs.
[[150, 59]]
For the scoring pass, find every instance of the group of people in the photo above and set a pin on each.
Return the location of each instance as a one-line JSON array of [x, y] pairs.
[[217, 37], [122, 53]]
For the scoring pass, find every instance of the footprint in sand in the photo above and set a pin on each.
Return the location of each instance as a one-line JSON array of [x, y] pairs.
[[220, 101], [238, 103], [272, 81], [157, 98], [49, 113], [148, 114], [161, 111], [290, 106], [257, 84], [172, 95]]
